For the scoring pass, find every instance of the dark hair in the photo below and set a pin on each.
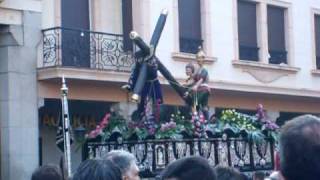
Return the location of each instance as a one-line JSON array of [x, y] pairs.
[[300, 148], [228, 173], [47, 172], [191, 66], [97, 170], [188, 168]]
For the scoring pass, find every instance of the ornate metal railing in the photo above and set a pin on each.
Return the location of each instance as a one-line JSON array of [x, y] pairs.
[[85, 49], [188, 45], [277, 57], [154, 155], [249, 53]]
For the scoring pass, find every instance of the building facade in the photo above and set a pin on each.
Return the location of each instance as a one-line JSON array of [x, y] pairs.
[[258, 51], [20, 36]]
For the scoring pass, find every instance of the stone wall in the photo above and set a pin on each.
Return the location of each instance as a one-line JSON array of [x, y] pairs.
[[18, 97]]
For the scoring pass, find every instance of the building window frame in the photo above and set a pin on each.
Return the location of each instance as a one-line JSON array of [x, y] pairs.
[[257, 33], [279, 53], [206, 33], [314, 12], [262, 31], [190, 44]]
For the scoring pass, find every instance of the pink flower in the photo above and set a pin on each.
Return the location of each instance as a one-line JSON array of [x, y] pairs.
[[93, 134], [260, 112], [172, 125], [106, 118], [151, 131], [103, 124], [105, 121]]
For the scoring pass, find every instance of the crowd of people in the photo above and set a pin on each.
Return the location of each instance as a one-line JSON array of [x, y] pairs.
[[299, 160]]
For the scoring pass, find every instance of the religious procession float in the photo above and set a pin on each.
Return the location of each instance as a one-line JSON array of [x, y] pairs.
[[157, 134]]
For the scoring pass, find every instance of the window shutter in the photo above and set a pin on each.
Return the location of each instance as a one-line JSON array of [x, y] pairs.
[[75, 43], [276, 35], [127, 24], [189, 25], [317, 38], [247, 31]]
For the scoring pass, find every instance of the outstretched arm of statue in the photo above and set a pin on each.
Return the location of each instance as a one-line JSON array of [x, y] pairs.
[[198, 83], [188, 82]]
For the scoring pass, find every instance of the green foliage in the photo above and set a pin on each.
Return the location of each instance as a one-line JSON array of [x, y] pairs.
[[183, 122], [173, 129], [116, 123], [238, 120], [254, 129], [142, 133], [256, 136], [231, 122], [173, 133]]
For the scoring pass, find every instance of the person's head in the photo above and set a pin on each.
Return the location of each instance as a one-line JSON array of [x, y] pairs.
[[47, 172], [227, 173], [276, 175], [189, 69], [189, 168], [300, 148], [258, 175], [126, 162], [97, 169], [200, 56]]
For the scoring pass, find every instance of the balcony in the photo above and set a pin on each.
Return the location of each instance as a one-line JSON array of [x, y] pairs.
[[82, 49]]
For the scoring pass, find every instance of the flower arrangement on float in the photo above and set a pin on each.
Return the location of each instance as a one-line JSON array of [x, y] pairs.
[[254, 127], [111, 123], [178, 126]]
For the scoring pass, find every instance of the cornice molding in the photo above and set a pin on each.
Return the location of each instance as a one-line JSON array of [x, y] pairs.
[[45, 74], [188, 57], [81, 74]]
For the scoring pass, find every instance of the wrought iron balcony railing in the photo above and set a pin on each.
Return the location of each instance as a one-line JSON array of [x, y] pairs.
[[188, 45], [277, 57], [248, 53], [67, 47], [154, 155]]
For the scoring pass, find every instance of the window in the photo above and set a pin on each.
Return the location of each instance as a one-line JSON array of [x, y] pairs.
[[127, 24], [317, 39], [74, 19], [75, 14], [247, 31], [189, 25], [276, 35]]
